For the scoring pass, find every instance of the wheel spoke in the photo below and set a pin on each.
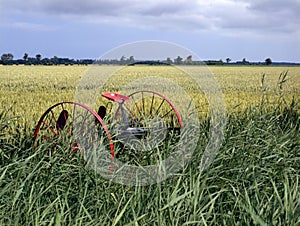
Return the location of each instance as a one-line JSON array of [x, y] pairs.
[[152, 102], [136, 105], [159, 107], [167, 113], [57, 124], [50, 127], [53, 116], [143, 101], [131, 114]]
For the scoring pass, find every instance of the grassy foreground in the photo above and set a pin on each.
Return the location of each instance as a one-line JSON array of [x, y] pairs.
[[255, 179]]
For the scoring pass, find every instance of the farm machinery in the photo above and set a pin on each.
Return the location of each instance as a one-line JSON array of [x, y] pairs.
[[141, 121]]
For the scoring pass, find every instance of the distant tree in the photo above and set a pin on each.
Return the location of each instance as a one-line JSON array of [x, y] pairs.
[[25, 57], [268, 61], [38, 57], [228, 60], [46, 61], [244, 61], [123, 59], [178, 60], [189, 60], [7, 58], [131, 60], [3, 58], [10, 56], [55, 60], [169, 61], [214, 62]]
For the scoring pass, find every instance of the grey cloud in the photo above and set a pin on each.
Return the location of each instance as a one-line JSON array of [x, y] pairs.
[[79, 7], [167, 8], [100, 7], [261, 16], [253, 15], [276, 6], [67, 7], [277, 14]]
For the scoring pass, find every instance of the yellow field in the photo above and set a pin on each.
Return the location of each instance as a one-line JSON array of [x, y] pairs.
[[29, 90]]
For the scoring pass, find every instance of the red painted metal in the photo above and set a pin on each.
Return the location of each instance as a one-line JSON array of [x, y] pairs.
[[119, 98], [90, 110], [111, 96]]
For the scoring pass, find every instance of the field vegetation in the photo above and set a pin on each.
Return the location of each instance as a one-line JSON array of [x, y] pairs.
[[254, 180]]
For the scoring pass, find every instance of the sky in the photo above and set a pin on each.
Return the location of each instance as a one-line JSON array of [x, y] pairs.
[[213, 29]]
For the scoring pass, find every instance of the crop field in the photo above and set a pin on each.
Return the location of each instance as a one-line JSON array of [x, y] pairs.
[[254, 179], [29, 91]]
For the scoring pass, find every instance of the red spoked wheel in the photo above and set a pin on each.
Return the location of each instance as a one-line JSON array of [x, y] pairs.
[[74, 126], [146, 121]]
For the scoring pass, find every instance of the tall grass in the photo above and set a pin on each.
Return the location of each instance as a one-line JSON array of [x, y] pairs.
[[253, 181]]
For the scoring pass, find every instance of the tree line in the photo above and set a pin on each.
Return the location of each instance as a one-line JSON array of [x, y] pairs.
[[8, 59]]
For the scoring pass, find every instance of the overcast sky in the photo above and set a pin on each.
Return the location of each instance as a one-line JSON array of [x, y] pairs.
[[213, 29]]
